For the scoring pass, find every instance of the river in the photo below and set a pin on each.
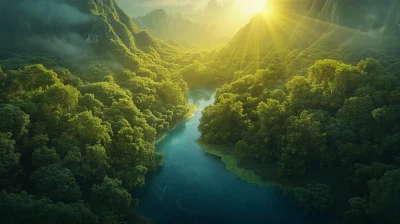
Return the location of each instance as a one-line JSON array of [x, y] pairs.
[[194, 187]]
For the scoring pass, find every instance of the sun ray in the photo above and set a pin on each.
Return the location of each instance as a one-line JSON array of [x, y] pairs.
[[277, 30], [250, 7]]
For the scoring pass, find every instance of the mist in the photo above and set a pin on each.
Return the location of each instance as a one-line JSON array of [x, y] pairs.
[[51, 12], [71, 45], [50, 26]]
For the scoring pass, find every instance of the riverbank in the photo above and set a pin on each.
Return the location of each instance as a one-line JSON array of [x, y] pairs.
[[232, 161], [191, 180], [265, 174], [190, 114]]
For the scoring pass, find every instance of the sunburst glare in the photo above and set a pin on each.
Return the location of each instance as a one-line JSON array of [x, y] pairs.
[[251, 7]]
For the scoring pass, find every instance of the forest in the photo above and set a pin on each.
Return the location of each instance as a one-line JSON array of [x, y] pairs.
[[78, 124], [316, 105], [310, 86]]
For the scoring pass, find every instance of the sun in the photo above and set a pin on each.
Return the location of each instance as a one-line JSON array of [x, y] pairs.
[[250, 7]]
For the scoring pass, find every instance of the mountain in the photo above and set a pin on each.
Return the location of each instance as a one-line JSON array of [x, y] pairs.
[[177, 27], [157, 21], [76, 29], [309, 30], [365, 15], [84, 95], [311, 101]]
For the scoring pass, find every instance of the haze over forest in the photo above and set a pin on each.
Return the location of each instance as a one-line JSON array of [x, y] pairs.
[[208, 111]]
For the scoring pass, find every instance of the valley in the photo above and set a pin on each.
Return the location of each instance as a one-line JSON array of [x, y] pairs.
[[280, 111]]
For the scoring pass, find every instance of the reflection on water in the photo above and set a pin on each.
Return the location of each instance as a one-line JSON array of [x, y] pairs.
[[195, 187]]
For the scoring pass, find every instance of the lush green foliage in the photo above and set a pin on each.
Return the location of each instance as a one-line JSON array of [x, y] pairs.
[[78, 125], [296, 92], [83, 99], [314, 198], [338, 116], [66, 139]]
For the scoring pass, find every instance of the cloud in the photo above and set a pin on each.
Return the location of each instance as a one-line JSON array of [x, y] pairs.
[[219, 5], [52, 12], [166, 3], [71, 45], [52, 24], [141, 7]]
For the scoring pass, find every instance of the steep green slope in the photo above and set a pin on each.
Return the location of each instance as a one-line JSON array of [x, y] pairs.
[[312, 30], [329, 127], [84, 95], [78, 30], [297, 33]]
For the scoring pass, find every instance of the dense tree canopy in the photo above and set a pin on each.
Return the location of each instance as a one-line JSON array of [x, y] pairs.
[[83, 101], [314, 198], [25, 208], [63, 137], [339, 116], [78, 126]]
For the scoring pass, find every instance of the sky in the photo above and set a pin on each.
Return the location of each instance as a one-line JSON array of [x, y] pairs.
[[228, 15], [141, 7]]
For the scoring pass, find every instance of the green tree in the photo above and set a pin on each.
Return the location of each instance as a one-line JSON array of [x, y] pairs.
[[89, 129], [56, 183], [366, 173], [13, 120], [129, 145], [89, 166], [126, 109], [44, 156], [384, 198], [171, 93], [381, 206], [67, 77], [97, 160], [110, 201], [300, 96], [89, 103], [223, 123], [3, 86], [23, 208], [59, 99], [105, 92], [305, 145], [34, 77], [357, 114], [314, 198], [9, 160], [271, 117], [357, 214]]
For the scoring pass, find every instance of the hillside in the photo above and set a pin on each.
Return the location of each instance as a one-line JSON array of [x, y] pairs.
[[177, 27], [310, 101], [294, 34], [84, 95], [97, 29], [312, 30]]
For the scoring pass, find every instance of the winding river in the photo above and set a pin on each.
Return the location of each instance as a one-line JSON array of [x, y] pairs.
[[194, 187]]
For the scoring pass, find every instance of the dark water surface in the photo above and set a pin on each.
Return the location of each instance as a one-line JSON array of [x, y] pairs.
[[195, 187]]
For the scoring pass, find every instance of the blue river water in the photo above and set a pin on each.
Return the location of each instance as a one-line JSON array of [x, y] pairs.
[[194, 187]]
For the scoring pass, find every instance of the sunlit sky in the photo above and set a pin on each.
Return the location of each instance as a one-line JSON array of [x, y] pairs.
[[251, 6], [142, 7]]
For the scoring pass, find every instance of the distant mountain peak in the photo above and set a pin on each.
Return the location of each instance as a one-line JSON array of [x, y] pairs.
[[176, 27], [72, 28]]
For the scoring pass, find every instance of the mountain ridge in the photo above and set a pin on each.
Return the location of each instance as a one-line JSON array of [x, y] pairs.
[[313, 28], [99, 26], [178, 28]]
